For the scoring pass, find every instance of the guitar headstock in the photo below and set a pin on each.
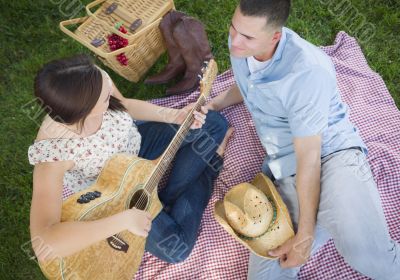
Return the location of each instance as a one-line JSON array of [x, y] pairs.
[[209, 73]]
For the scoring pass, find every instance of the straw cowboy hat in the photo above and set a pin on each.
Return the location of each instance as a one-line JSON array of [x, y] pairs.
[[255, 215]]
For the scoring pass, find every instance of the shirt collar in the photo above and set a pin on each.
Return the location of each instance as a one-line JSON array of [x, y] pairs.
[[281, 46], [276, 57]]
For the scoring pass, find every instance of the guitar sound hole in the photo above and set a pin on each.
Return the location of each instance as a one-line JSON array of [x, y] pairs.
[[139, 200]]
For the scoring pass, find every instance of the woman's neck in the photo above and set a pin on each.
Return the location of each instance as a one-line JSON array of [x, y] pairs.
[[91, 125]]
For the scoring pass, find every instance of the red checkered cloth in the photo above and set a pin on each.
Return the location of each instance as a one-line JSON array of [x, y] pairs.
[[216, 254]]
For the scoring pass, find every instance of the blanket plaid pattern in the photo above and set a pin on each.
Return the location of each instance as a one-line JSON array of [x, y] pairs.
[[218, 256]]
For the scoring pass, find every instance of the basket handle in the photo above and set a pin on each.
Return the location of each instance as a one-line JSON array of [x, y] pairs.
[[89, 12], [116, 31], [97, 51]]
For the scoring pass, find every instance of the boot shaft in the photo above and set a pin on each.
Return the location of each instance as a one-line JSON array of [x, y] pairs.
[[191, 38]]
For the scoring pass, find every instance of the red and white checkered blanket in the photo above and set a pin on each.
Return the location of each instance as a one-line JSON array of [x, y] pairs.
[[218, 256]]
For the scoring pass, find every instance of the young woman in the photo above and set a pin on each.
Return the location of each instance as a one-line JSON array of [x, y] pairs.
[[87, 121]]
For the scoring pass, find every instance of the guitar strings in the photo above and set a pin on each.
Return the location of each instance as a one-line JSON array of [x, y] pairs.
[[142, 201], [153, 179]]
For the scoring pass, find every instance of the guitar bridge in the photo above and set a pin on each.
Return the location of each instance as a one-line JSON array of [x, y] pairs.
[[118, 243]]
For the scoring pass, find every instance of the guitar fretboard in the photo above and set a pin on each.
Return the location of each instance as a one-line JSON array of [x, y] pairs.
[[173, 148]]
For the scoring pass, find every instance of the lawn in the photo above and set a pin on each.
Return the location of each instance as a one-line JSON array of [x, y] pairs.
[[29, 37]]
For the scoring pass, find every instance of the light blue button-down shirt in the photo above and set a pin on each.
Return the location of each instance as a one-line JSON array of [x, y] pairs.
[[296, 95]]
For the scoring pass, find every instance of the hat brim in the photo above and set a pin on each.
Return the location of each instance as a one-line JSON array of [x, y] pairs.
[[279, 232]]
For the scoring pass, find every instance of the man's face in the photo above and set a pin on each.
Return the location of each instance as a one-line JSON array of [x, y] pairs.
[[250, 36]]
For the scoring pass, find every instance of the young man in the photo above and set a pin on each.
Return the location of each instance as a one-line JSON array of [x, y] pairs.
[[315, 155]]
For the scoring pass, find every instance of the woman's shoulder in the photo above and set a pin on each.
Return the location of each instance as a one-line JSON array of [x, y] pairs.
[[50, 145], [52, 130], [119, 118]]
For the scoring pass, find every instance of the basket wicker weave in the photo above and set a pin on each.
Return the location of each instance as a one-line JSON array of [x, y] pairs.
[[145, 44]]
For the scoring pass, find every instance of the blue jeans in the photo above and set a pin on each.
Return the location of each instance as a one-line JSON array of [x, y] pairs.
[[174, 231]]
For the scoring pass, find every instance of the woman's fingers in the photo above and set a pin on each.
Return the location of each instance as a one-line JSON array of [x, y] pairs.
[[199, 116], [148, 227], [189, 107], [143, 233], [196, 125], [204, 110]]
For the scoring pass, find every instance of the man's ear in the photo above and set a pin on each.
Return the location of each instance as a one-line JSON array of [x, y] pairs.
[[276, 37]]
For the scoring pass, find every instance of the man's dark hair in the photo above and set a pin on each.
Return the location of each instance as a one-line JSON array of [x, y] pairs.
[[275, 11]]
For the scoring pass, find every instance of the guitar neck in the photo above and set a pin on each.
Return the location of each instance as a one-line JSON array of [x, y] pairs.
[[209, 74], [169, 154]]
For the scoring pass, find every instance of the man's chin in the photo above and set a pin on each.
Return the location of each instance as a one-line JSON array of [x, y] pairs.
[[237, 54]]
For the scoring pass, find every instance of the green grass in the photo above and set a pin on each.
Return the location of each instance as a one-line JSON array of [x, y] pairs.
[[29, 37]]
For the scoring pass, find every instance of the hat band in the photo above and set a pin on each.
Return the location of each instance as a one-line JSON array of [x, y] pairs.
[[268, 229]]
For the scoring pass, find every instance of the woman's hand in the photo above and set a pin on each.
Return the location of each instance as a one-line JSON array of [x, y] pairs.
[[139, 222], [211, 106], [199, 117]]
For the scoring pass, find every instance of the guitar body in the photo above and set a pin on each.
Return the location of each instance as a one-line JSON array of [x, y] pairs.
[[118, 257]]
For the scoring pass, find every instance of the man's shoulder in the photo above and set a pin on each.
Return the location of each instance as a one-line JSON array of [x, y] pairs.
[[302, 54]]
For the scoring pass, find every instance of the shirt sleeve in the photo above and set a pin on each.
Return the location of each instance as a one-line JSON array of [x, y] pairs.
[[307, 103], [51, 150]]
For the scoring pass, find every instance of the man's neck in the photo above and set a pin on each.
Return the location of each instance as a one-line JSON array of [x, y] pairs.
[[267, 55]]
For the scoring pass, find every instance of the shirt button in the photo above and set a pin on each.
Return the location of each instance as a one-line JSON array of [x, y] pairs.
[[251, 85]]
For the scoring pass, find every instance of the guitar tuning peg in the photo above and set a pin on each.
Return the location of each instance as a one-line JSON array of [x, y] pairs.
[[200, 77]]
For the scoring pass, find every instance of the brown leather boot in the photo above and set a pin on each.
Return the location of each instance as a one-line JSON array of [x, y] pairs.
[[175, 65], [192, 41]]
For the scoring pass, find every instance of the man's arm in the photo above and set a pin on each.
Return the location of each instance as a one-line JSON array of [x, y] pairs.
[[296, 251], [228, 98], [308, 157]]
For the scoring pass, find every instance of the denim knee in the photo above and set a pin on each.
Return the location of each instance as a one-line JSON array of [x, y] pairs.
[[171, 249], [215, 119], [180, 256]]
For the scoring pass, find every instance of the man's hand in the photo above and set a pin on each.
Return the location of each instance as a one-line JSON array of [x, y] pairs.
[[294, 252]]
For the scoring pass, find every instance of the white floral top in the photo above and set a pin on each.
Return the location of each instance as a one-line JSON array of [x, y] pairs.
[[117, 134]]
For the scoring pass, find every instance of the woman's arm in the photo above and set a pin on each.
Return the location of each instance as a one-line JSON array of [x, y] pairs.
[[52, 238], [145, 111]]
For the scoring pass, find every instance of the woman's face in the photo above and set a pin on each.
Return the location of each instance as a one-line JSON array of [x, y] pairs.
[[104, 99]]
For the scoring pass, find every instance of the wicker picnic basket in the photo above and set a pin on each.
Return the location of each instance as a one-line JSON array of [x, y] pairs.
[[145, 43]]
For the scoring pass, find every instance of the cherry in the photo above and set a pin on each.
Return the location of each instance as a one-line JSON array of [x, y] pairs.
[[116, 42]]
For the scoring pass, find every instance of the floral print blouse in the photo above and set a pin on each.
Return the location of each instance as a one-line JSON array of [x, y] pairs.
[[117, 134]]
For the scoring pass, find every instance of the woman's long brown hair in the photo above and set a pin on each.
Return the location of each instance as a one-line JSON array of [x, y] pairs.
[[68, 89]]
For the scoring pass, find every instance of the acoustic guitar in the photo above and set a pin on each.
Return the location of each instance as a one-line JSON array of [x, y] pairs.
[[125, 181]]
